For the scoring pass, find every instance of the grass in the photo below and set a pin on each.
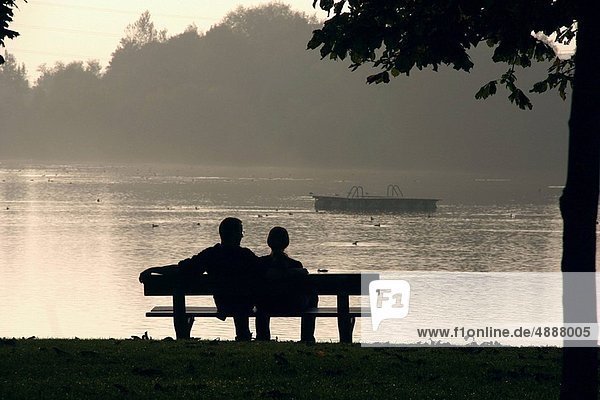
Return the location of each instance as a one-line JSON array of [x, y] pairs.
[[141, 369]]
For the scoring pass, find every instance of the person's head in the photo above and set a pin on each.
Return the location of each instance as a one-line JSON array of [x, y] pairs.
[[231, 231], [278, 239]]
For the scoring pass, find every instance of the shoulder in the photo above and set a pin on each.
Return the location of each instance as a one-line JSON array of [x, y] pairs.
[[294, 263], [216, 247], [210, 251], [246, 252], [200, 258], [265, 261]]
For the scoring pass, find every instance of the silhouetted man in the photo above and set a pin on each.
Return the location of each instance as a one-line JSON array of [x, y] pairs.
[[226, 260]]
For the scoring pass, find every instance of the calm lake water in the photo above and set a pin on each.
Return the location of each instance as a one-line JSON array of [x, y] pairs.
[[75, 237]]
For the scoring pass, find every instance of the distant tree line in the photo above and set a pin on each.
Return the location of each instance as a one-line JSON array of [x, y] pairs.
[[247, 92]]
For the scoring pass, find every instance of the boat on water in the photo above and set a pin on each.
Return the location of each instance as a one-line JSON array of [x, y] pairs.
[[358, 202]]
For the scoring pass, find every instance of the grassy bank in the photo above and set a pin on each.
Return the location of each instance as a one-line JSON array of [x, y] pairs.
[[105, 369]]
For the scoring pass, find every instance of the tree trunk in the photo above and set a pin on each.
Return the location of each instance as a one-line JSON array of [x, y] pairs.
[[579, 207]]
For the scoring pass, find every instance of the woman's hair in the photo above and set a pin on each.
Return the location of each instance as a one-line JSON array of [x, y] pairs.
[[278, 239]]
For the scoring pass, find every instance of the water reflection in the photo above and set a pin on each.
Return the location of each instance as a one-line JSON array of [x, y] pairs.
[[70, 262]]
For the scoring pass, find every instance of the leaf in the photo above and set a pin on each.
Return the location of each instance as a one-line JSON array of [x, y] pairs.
[[508, 78], [562, 89], [382, 77], [524, 61], [326, 5], [316, 40], [486, 90], [520, 99], [539, 87], [339, 6], [356, 58], [482, 93], [325, 50]]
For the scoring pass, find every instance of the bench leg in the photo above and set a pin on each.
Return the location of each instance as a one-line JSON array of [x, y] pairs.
[[183, 323], [262, 323], [308, 323], [345, 328], [183, 326], [345, 322]]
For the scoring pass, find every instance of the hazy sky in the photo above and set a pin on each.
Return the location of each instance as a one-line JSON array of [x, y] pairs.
[[68, 30]]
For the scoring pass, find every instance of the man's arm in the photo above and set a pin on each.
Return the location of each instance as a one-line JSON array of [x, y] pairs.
[[297, 271], [197, 263], [167, 270], [296, 268], [292, 269]]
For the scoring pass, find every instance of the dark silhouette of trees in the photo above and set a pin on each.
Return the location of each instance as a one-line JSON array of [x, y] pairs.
[[16, 98], [13, 73], [65, 101], [399, 36], [246, 83], [141, 33], [247, 92]]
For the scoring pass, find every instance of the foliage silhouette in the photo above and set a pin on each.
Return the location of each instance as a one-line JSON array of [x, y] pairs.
[[400, 35], [6, 17]]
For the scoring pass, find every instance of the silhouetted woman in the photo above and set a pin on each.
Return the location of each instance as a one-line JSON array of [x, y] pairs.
[[278, 267]]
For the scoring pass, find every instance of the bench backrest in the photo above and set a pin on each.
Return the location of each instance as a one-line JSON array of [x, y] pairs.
[[323, 284]]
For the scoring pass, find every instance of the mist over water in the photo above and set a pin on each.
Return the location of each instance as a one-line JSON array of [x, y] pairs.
[[248, 93], [75, 237]]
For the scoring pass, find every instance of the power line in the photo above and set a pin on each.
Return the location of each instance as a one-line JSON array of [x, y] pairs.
[[19, 27], [117, 11], [48, 53]]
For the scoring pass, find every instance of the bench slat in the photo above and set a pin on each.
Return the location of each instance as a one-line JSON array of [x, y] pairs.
[[322, 284], [202, 312]]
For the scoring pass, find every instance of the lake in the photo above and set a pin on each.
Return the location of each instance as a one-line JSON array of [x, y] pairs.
[[74, 238]]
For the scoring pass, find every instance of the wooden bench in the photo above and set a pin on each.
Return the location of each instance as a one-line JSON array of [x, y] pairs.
[[340, 285]]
